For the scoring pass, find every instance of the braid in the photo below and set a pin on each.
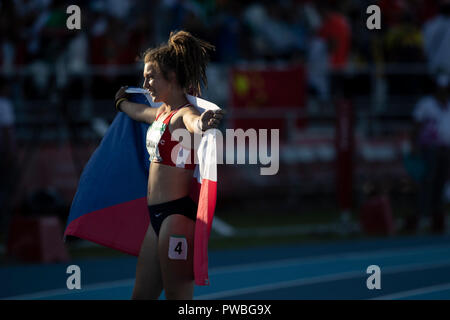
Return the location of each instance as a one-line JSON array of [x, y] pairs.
[[187, 56]]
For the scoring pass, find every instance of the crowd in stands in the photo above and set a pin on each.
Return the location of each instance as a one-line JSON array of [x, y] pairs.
[[326, 36], [115, 32]]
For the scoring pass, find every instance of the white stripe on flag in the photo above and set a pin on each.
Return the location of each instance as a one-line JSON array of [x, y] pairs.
[[207, 156]]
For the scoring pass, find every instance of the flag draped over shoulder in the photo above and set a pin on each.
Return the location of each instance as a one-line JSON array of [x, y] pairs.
[[110, 205]]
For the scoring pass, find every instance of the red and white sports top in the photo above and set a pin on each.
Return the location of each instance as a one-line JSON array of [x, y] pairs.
[[160, 145]]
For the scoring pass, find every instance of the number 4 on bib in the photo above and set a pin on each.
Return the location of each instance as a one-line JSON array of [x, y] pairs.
[[177, 248]]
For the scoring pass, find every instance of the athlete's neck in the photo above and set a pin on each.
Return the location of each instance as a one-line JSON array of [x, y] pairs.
[[175, 102]]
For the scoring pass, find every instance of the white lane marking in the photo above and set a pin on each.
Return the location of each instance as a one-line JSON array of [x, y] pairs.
[[223, 228], [318, 279], [63, 292], [325, 258], [239, 268], [414, 292]]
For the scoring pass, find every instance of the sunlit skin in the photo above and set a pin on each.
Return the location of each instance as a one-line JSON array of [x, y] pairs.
[[154, 270], [160, 183], [172, 96]]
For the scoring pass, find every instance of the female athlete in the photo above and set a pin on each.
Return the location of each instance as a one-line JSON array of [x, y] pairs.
[[171, 71]]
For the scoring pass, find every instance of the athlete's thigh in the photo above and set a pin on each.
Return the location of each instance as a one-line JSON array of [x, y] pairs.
[[176, 254], [148, 284]]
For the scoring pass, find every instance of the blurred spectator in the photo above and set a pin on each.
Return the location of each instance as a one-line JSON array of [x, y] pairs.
[[77, 53], [362, 38], [8, 37], [118, 8], [317, 58], [335, 30], [318, 69], [403, 40], [229, 33], [392, 11], [115, 42], [399, 45], [193, 23], [431, 138], [182, 14], [8, 154], [274, 36], [436, 33]]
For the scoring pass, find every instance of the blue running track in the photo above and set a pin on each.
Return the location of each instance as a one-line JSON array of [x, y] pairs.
[[411, 268]]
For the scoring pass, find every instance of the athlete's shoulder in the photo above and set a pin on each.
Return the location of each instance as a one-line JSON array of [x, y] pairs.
[[160, 109], [189, 109]]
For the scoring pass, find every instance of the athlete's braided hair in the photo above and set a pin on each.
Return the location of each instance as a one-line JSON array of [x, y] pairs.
[[187, 56]]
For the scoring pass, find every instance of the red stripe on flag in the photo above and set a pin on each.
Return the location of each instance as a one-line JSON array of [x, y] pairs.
[[205, 215], [112, 228]]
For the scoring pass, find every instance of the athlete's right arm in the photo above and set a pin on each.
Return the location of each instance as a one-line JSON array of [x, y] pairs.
[[136, 111]]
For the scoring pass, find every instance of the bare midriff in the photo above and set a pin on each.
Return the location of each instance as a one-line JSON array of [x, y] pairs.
[[167, 183]]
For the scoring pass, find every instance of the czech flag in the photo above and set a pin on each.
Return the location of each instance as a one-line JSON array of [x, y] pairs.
[[110, 205]]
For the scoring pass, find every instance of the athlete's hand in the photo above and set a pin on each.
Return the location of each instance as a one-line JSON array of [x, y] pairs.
[[121, 95], [210, 119]]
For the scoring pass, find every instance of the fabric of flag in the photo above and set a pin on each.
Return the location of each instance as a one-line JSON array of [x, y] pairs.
[[110, 205]]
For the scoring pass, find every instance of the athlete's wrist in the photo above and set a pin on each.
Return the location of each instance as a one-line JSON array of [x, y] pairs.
[[118, 102], [199, 127], [121, 95]]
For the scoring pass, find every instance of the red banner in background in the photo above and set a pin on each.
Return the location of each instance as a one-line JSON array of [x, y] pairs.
[[269, 87], [256, 91]]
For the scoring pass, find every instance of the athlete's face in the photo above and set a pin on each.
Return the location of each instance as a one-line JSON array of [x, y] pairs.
[[155, 82]]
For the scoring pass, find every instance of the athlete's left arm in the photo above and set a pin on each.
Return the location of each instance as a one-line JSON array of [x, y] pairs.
[[197, 123]]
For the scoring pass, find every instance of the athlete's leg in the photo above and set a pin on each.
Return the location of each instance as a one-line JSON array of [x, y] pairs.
[[176, 256], [148, 283]]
